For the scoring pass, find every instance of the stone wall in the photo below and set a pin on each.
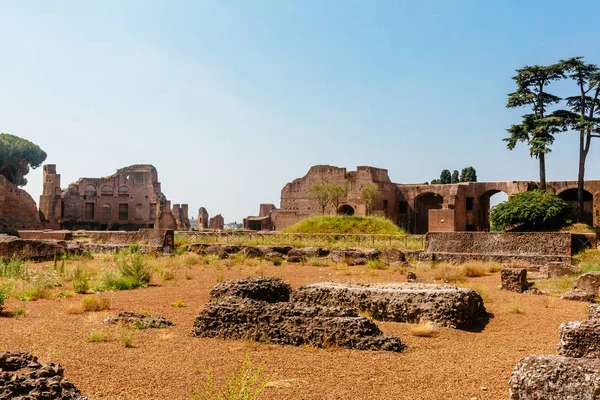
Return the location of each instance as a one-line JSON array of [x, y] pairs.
[[151, 237], [538, 247], [17, 208]]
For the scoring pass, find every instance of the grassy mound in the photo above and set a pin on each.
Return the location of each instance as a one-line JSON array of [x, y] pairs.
[[345, 224]]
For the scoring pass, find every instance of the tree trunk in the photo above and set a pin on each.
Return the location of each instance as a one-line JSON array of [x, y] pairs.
[[580, 177], [542, 159]]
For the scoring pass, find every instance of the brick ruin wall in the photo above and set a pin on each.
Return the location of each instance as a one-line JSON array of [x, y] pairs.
[[17, 209]]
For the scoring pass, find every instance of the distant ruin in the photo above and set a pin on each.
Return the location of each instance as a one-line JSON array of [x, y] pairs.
[[419, 208], [180, 213], [217, 222], [130, 199]]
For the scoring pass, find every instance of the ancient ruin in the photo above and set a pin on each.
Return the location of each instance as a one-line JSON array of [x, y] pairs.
[[130, 199], [17, 209], [202, 218], [419, 208], [258, 309], [443, 305], [180, 213], [139, 321], [217, 222], [23, 377]]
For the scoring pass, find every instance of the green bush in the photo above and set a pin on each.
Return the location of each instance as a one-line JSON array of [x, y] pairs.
[[80, 280], [533, 210], [132, 265], [3, 296], [13, 267]]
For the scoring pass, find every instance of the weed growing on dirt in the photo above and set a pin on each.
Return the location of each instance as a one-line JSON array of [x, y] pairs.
[[95, 303], [178, 303], [97, 336], [220, 274], [125, 335], [80, 280], [13, 267], [244, 383], [277, 261], [376, 264], [20, 312], [424, 329]]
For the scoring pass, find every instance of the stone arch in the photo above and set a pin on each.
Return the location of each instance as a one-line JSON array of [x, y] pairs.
[[346, 209], [89, 190], [570, 196], [107, 191], [484, 207], [124, 192], [423, 203]]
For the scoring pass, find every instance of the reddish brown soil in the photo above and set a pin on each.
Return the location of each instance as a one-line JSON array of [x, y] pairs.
[[166, 363]]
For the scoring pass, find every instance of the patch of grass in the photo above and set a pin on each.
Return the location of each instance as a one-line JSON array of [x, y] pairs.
[[4, 294], [97, 336], [345, 224], [190, 259], [125, 335], [220, 274], [178, 303], [95, 303], [376, 264], [556, 286], [474, 269], [243, 383], [132, 265], [111, 280], [448, 273], [20, 312], [316, 262], [168, 275], [277, 261], [424, 329], [514, 308], [80, 280], [13, 267]]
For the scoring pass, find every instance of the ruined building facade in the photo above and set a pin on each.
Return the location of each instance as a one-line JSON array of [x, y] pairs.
[[180, 213], [17, 209], [418, 208], [130, 199]]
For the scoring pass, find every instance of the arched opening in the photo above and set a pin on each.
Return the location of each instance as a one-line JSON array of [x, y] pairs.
[[346, 209], [89, 191], [124, 192], [107, 191], [570, 196], [424, 203], [487, 201]]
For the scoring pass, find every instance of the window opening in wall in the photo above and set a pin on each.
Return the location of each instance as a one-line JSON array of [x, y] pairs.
[[152, 212], [385, 207], [403, 207], [89, 210], [107, 191], [123, 211], [123, 191], [106, 211], [470, 202], [138, 212]]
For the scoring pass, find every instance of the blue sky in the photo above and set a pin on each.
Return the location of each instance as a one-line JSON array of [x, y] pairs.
[[230, 100]]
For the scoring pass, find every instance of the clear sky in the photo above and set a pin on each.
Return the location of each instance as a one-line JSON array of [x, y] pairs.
[[230, 100]]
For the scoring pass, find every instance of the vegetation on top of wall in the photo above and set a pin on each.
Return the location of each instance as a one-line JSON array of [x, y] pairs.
[[17, 155], [345, 224], [533, 210]]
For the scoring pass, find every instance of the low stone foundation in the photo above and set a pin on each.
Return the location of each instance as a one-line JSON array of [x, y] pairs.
[[38, 250], [23, 377], [163, 239], [291, 323], [46, 235], [443, 305], [270, 290], [139, 321], [555, 378]]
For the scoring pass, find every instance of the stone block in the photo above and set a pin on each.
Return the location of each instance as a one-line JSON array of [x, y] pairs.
[[579, 339], [271, 290], [514, 279], [405, 302], [555, 378], [559, 269], [300, 254], [578, 295], [594, 311], [392, 256]]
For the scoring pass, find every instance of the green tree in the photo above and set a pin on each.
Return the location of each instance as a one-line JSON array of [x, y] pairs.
[[336, 194], [536, 129], [17, 155], [320, 193], [583, 113], [532, 210], [436, 181], [468, 175], [455, 177], [445, 177], [370, 194]]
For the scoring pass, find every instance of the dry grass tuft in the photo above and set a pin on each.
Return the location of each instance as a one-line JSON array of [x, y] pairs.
[[424, 329], [95, 303]]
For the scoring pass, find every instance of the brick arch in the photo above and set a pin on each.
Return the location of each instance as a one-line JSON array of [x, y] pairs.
[[423, 203]]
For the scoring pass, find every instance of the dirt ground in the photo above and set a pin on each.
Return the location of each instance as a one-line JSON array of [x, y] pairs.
[[167, 363]]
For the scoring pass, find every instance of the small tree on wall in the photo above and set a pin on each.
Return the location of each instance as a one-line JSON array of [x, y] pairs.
[[455, 177], [336, 194], [468, 175], [370, 194], [320, 193]]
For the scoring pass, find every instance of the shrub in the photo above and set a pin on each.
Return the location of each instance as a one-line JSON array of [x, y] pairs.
[[244, 383], [20, 312], [97, 336], [533, 210], [277, 261], [3, 296], [126, 337], [178, 303], [80, 281], [95, 303], [132, 265], [375, 264], [13, 267], [475, 269]]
